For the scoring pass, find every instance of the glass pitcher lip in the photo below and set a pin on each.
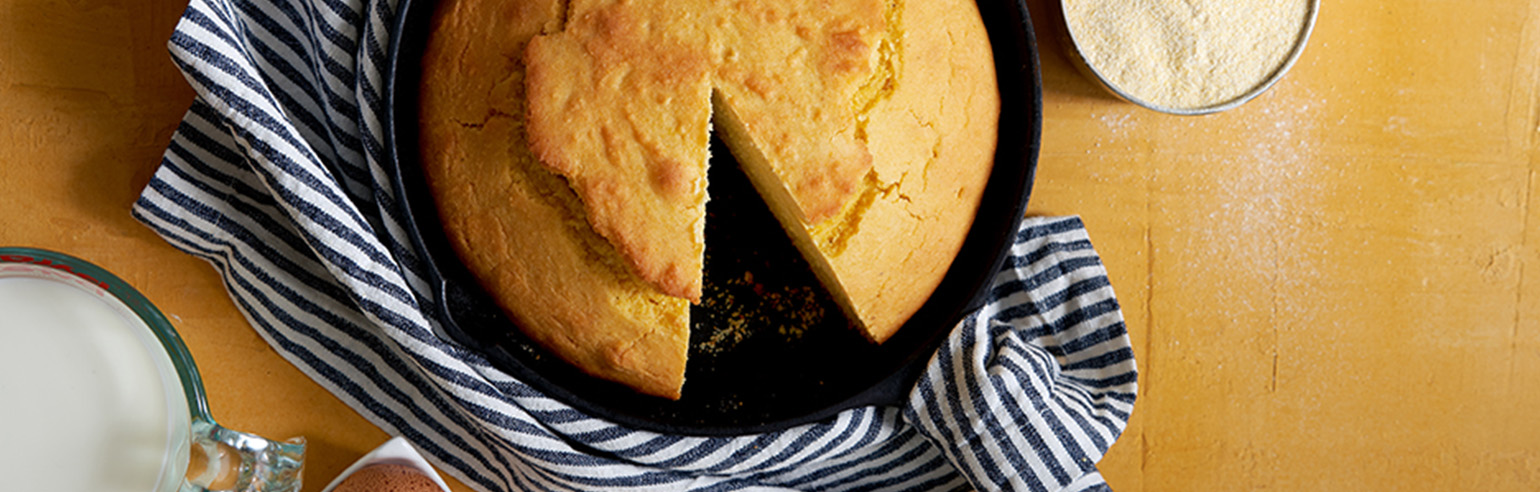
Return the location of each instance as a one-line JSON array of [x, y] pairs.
[[170, 341]]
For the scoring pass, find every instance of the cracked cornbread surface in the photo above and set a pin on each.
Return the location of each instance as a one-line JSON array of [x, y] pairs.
[[566, 146]]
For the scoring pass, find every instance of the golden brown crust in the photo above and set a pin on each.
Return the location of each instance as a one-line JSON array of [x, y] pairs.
[[928, 112], [790, 73], [620, 100], [519, 227], [620, 105], [934, 140]]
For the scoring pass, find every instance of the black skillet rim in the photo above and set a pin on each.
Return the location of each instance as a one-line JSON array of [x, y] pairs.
[[963, 289]]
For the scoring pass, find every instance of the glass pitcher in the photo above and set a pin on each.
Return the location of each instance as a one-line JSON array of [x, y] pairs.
[[98, 392]]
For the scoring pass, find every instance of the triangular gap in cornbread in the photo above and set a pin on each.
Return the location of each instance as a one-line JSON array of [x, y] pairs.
[[619, 103]]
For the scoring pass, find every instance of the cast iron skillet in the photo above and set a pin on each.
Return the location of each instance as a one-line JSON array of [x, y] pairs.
[[769, 349]]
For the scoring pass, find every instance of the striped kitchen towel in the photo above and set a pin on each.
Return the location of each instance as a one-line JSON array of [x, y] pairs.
[[275, 177]]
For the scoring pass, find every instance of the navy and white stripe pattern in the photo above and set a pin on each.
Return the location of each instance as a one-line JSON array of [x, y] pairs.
[[1033, 387], [275, 178]]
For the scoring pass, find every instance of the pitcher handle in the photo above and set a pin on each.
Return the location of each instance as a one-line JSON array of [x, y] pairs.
[[225, 460]]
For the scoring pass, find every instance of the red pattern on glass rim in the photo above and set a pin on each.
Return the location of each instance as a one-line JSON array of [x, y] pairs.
[[52, 264]]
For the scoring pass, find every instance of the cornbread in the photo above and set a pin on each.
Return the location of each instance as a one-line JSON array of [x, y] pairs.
[[566, 146]]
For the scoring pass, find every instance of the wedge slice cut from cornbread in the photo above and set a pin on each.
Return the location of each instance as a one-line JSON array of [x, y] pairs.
[[926, 112]]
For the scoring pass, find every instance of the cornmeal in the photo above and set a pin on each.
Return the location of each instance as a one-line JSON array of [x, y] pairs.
[[1186, 54]]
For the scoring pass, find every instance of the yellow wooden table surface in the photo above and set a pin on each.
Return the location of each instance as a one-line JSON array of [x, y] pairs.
[[1326, 287]]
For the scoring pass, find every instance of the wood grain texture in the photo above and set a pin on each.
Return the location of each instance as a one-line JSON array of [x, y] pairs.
[[1333, 287]]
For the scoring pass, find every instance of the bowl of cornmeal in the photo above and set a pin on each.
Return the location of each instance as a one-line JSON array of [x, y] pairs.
[[1187, 57]]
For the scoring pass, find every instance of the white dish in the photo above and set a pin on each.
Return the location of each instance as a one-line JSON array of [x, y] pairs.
[[394, 452]]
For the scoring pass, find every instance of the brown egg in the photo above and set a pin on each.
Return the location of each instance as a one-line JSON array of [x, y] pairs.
[[387, 478]]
